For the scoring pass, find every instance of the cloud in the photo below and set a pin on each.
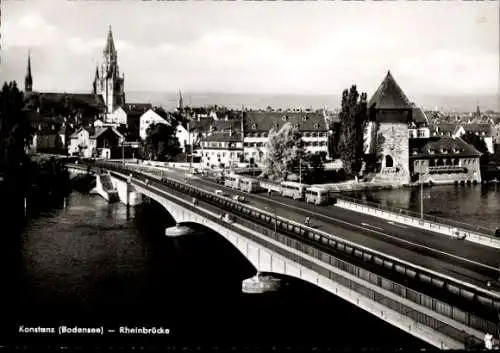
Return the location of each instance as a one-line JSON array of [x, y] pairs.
[[31, 30], [80, 46], [94, 46], [454, 71], [163, 48], [122, 45]]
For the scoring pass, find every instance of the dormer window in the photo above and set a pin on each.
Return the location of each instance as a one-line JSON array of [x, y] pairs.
[[254, 126], [296, 126], [285, 118], [444, 151], [431, 151], [456, 150], [304, 118], [316, 126], [275, 125]]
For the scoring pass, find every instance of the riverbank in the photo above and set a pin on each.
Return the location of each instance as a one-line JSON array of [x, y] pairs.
[[352, 185], [39, 178]]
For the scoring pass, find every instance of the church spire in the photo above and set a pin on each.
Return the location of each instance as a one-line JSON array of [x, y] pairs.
[[28, 80], [478, 111], [180, 103], [110, 44]]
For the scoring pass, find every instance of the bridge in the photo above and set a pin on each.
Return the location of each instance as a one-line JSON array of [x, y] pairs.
[[417, 280]]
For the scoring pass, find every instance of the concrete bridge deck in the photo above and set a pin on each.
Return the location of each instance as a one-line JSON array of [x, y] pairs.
[[418, 311]]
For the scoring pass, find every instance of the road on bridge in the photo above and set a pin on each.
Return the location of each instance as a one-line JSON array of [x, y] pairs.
[[463, 260]]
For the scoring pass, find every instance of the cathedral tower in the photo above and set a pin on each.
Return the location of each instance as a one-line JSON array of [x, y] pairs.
[[108, 83], [28, 80]]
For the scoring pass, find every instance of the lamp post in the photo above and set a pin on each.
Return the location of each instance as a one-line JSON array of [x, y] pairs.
[[421, 197], [123, 152], [300, 171], [273, 209], [496, 284]]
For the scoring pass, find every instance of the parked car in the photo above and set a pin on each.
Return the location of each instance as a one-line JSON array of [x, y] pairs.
[[239, 198], [220, 192]]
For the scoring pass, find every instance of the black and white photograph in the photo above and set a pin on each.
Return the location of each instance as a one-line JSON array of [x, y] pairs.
[[251, 175]]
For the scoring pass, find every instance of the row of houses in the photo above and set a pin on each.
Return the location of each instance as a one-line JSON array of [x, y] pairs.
[[437, 148]]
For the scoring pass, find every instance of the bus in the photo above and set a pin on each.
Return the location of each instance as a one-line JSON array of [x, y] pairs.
[[293, 189], [249, 185], [317, 196], [232, 181]]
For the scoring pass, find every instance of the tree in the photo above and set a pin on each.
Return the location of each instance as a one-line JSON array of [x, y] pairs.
[[333, 139], [317, 165], [161, 143], [285, 150], [14, 129], [353, 120], [479, 144]]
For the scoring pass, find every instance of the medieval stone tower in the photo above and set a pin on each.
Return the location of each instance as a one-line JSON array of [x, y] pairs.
[[390, 111], [108, 83]]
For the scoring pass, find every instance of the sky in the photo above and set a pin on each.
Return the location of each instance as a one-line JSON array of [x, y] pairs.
[[317, 47]]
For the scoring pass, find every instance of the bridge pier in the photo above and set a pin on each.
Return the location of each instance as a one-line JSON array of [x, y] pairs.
[[265, 251]]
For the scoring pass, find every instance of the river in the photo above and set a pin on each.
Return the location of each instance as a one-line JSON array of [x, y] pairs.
[[81, 261], [473, 204]]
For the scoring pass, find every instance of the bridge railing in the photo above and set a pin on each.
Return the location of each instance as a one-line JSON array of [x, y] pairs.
[[426, 217], [369, 256], [363, 276], [482, 231]]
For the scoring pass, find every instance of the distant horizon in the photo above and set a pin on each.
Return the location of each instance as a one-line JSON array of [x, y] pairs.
[[456, 103], [462, 103]]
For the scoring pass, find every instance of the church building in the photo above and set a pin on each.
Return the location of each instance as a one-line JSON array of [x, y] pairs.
[[108, 83]]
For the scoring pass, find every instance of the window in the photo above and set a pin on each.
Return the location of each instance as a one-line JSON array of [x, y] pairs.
[[285, 118], [254, 126], [316, 126], [296, 126], [304, 118]]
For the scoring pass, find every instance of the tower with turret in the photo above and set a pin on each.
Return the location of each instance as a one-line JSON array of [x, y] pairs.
[[108, 82], [28, 79]]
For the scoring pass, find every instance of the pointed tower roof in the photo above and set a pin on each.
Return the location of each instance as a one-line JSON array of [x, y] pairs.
[[389, 95], [28, 79], [28, 72], [110, 44]]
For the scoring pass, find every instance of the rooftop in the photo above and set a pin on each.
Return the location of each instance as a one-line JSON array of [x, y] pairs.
[[389, 95], [443, 146], [260, 121]]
